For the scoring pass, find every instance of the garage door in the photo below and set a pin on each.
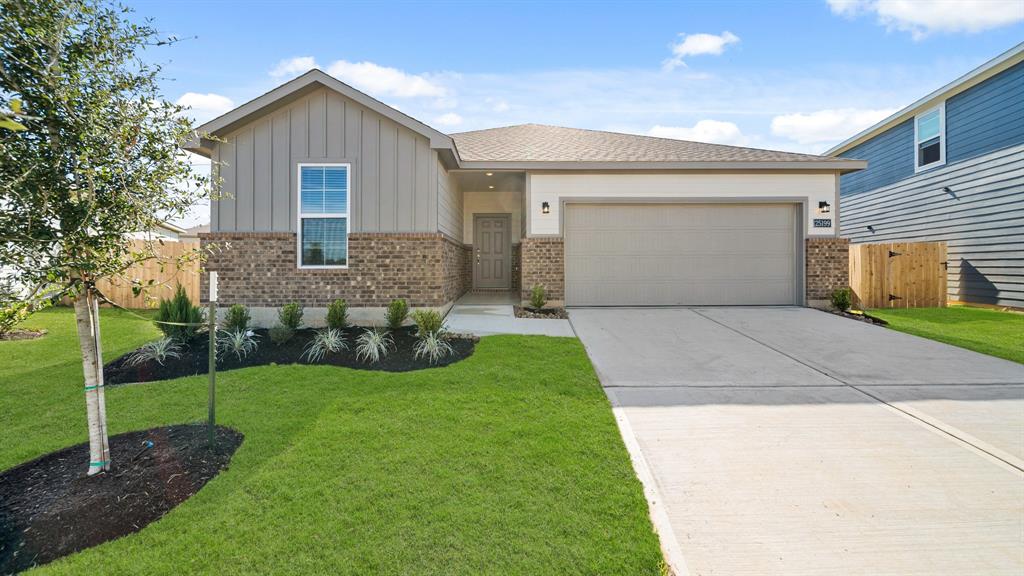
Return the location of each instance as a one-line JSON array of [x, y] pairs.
[[681, 254]]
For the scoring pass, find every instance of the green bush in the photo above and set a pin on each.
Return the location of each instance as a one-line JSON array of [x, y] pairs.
[[428, 322], [538, 296], [290, 316], [337, 315], [279, 334], [398, 311], [179, 309], [842, 299], [237, 319]]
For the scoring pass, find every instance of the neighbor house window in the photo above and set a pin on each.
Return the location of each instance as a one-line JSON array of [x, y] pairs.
[[930, 138], [323, 215]]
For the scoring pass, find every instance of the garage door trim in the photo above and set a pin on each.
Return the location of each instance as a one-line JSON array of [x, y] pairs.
[[800, 234]]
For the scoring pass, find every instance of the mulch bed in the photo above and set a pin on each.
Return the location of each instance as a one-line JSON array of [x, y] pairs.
[[862, 317], [543, 313], [23, 334], [49, 508], [195, 358]]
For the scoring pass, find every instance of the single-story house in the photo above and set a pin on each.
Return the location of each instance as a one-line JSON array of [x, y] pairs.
[[328, 193], [950, 167]]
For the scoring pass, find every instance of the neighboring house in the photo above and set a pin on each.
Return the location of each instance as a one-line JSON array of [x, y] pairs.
[[328, 193], [192, 234], [163, 231], [950, 167]]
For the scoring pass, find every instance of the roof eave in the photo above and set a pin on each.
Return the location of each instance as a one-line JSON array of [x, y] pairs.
[[842, 166]]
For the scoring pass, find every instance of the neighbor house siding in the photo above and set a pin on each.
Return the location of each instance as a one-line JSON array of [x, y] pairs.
[[890, 157], [392, 190], [981, 218], [988, 117]]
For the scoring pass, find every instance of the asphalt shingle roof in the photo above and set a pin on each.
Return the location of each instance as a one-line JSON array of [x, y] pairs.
[[542, 143]]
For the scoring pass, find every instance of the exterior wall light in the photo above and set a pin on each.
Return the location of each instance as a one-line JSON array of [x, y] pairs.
[[824, 207], [545, 208]]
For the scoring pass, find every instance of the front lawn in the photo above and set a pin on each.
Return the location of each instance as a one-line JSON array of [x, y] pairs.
[[987, 331], [506, 463]]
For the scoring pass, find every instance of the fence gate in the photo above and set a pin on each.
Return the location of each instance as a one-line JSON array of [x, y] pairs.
[[899, 275]]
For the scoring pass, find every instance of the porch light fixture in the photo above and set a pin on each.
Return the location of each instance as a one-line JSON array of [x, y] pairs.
[[491, 187], [490, 173], [545, 208], [824, 207]]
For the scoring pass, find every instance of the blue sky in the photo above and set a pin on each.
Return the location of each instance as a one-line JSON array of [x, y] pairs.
[[785, 75]]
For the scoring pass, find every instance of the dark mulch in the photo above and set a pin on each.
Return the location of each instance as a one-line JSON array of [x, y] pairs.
[[551, 313], [23, 334], [862, 317], [49, 508], [195, 359]]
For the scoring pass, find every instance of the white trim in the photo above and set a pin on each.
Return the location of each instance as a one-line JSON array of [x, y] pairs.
[[299, 215], [941, 108]]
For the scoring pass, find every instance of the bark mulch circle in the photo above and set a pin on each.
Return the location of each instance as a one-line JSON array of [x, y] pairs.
[[548, 313], [49, 508], [862, 317], [195, 359]]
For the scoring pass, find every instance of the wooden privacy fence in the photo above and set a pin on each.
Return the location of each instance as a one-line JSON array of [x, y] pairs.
[[166, 280], [898, 275]]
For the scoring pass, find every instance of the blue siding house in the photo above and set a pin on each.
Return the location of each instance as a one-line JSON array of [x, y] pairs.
[[950, 167]]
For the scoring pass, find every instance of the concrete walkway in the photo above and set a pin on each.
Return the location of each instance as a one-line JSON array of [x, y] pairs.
[[792, 441], [485, 314]]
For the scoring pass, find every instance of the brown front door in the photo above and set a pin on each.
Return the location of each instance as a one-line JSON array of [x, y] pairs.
[[492, 251]]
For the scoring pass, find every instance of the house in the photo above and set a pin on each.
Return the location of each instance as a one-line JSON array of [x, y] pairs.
[[950, 167], [329, 193]]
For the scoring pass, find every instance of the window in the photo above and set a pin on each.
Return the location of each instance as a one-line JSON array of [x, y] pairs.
[[323, 215], [930, 138]]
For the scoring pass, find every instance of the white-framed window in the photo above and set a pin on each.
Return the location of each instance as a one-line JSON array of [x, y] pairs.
[[323, 215], [930, 138]]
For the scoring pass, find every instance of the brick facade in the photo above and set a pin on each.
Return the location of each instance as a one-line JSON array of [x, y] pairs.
[[259, 269], [517, 267], [827, 268], [543, 263]]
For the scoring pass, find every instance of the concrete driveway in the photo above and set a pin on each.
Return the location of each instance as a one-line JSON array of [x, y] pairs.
[[792, 441]]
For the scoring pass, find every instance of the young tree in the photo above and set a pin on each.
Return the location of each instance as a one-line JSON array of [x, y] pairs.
[[98, 159]]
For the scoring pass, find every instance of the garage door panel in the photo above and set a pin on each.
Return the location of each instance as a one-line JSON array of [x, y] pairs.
[[680, 254]]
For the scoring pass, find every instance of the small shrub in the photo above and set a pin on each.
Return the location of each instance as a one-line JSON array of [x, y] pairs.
[[279, 334], [538, 296], [241, 343], [433, 346], [12, 309], [842, 299], [372, 345], [290, 316], [179, 310], [428, 322], [337, 315], [157, 351], [398, 311], [324, 342], [237, 318]]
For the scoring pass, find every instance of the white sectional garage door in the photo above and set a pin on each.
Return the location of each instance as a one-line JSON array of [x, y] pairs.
[[681, 254]]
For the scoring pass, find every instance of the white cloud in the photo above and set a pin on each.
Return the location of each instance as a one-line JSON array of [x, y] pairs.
[[204, 107], [923, 17], [829, 125], [696, 45], [498, 105], [448, 119], [291, 67], [712, 131], [382, 81]]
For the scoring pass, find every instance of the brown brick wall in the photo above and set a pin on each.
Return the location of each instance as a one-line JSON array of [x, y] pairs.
[[259, 269], [828, 268], [543, 263], [458, 269], [517, 267]]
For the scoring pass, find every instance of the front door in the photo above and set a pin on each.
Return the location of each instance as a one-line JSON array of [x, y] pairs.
[[492, 252]]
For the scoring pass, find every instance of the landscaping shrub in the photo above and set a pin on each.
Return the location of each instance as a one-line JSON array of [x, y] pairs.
[[241, 343], [337, 315], [842, 299], [372, 345], [158, 351], [237, 318], [428, 321], [433, 346], [326, 341], [290, 316], [279, 334], [538, 296], [398, 311], [179, 309]]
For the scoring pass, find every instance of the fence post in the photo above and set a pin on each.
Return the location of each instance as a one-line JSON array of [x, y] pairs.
[[212, 400]]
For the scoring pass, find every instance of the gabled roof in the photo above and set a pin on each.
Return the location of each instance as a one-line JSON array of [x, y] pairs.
[[542, 146], [1006, 60], [294, 89]]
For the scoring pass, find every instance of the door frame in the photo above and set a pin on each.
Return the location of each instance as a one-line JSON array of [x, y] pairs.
[[507, 216]]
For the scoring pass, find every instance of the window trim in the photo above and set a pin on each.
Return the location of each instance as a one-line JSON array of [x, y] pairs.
[[300, 215], [941, 107]]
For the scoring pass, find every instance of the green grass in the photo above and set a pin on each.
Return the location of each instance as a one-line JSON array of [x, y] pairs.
[[506, 463], [987, 331]]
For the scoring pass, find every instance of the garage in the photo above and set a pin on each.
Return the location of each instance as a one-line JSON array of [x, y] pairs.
[[682, 254]]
